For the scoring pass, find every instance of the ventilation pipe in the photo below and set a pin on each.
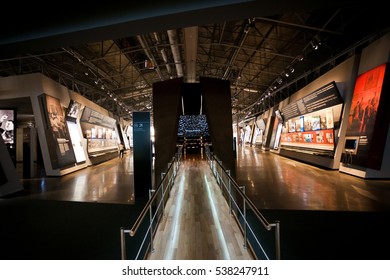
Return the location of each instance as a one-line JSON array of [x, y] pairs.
[[163, 54], [173, 41]]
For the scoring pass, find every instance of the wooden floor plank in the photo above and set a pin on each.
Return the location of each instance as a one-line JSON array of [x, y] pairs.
[[197, 222]]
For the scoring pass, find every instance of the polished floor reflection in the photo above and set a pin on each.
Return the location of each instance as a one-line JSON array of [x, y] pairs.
[[197, 224], [271, 181], [318, 210], [107, 182], [276, 182]]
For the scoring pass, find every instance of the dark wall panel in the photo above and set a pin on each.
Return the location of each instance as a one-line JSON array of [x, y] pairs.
[[192, 100], [218, 109], [166, 110], [142, 154]]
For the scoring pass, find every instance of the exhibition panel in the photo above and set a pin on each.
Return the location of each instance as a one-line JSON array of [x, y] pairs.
[[8, 130], [100, 132], [310, 123], [56, 132], [368, 120]]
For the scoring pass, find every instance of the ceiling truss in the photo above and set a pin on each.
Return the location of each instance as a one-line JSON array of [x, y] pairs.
[[266, 59]]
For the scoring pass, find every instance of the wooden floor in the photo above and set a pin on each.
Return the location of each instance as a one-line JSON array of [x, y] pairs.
[[191, 229], [271, 182], [197, 224]]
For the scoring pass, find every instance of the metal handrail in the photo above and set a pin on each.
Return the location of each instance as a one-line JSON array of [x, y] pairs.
[[168, 176], [267, 225], [142, 215]]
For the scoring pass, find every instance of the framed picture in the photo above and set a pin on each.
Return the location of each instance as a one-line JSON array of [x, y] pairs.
[[8, 130]]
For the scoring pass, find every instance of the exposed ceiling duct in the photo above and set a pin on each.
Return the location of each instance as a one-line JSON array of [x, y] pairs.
[[190, 53], [163, 53], [173, 41]]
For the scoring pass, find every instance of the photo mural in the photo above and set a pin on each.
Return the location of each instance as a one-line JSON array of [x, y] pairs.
[[363, 132], [56, 132]]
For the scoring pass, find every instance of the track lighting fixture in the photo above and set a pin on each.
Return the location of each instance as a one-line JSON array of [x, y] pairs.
[[314, 46], [315, 43]]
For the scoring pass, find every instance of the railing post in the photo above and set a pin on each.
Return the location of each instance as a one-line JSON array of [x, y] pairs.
[[244, 213], [162, 188], [277, 238], [123, 244], [151, 222], [230, 192], [220, 174], [173, 172], [174, 166]]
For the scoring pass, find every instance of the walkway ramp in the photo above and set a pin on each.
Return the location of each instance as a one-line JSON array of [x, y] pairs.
[[197, 224]]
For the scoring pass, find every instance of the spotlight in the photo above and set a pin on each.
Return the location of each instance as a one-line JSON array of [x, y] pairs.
[[315, 44]]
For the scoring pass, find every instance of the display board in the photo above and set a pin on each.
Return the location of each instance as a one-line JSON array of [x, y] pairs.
[[193, 126], [325, 97], [368, 120], [8, 130], [76, 141], [309, 124], [100, 132], [56, 131], [73, 110], [93, 117], [142, 154]]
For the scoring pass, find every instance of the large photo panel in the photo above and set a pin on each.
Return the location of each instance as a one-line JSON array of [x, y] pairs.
[[56, 131], [363, 128]]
